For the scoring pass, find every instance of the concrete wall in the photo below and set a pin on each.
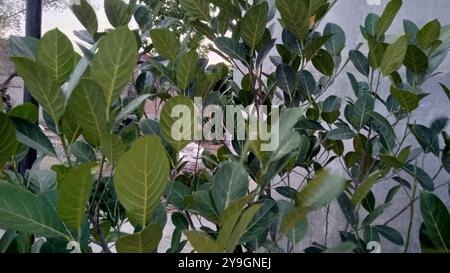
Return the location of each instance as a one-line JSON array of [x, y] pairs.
[[349, 14]]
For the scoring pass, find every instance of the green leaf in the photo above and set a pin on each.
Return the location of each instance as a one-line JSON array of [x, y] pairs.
[[229, 184], [41, 86], [130, 108], [436, 219], [241, 226], [336, 43], [362, 109], [374, 214], [348, 209], [7, 239], [360, 62], [177, 127], [74, 190], [323, 62], [344, 247], [286, 79], [118, 12], [426, 138], [428, 34], [176, 193], [364, 189], [26, 111], [166, 43], [202, 242], [262, 220], [424, 179], [340, 134], [83, 152], [394, 56], [141, 178], [113, 66], [112, 147], [7, 139], [376, 52], [416, 60], [306, 83], [86, 15], [25, 47], [389, 233], [382, 126], [407, 100], [31, 135], [388, 16], [56, 53], [146, 241], [198, 9], [88, 108], [232, 48], [294, 15], [24, 211], [315, 46], [186, 67], [253, 25], [446, 90]]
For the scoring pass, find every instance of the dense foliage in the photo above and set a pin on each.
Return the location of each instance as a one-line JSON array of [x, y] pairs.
[[122, 168]]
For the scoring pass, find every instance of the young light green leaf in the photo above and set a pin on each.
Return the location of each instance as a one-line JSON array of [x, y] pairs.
[[427, 35], [202, 242], [74, 190], [394, 56], [141, 178], [388, 16]]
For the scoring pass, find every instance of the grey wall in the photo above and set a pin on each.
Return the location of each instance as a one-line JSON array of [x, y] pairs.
[[349, 14]]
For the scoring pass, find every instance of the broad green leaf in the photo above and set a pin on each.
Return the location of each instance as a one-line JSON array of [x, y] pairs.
[[118, 12], [315, 45], [24, 211], [341, 133], [422, 177], [41, 86], [291, 42], [86, 15], [74, 190], [294, 15], [416, 60], [336, 43], [362, 109], [166, 43], [360, 62], [130, 108], [31, 135], [427, 35], [394, 56], [24, 47], [232, 48], [186, 67], [348, 209], [83, 152], [27, 111], [286, 79], [176, 193], [56, 53], [427, 139], [376, 52], [141, 178], [306, 83], [146, 241], [241, 226], [112, 147], [88, 107], [389, 233], [112, 66], [323, 62], [229, 184], [411, 29], [202, 242], [436, 219], [198, 9], [177, 122], [7, 239], [407, 100], [364, 189], [378, 211], [7, 139], [262, 220], [253, 25], [388, 16]]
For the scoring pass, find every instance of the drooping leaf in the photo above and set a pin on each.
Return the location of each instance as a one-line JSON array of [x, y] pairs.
[[166, 43], [24, 211], [112, 66], [88, 107], [41, 86], [74, 190], [141, 178], [146, 241]]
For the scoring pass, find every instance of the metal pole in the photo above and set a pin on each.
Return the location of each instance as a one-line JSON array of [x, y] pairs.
[[32, 29]]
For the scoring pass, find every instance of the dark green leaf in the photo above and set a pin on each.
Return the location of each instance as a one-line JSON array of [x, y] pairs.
[[31, 135]]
